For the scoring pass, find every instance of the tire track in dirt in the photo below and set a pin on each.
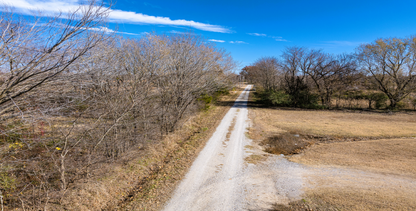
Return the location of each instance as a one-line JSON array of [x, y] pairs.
[[214, 177], [220, 179]]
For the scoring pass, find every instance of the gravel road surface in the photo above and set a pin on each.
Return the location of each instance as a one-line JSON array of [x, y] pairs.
[[220, 179]]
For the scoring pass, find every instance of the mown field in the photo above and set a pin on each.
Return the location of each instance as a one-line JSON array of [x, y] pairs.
[[357, 160]]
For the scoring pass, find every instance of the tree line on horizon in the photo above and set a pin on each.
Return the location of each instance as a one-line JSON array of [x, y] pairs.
[[378, 72]]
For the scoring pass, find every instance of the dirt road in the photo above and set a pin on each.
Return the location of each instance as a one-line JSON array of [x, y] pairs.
[[220, 179]]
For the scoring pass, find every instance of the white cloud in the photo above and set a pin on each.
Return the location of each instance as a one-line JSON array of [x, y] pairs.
[[281, 40], [214, 40], [107, 30], [25, 6], [99, 29], [178, 32], [132, 17], [238, 42], [102, 29], [51, 6], [277, 38], [258, 34]]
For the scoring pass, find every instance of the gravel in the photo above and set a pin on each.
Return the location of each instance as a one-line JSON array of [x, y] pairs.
[[220, 179]]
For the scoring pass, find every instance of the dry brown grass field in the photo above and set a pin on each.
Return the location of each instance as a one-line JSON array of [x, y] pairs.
[[339, 123], [357, 160], [406, 103], [390, 156]]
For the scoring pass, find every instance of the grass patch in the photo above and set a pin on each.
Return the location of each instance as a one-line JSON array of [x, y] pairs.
[[306, 205], [359, 160], [393, 156], [249, 147], [254, 159], [358, 199], [338, 123]]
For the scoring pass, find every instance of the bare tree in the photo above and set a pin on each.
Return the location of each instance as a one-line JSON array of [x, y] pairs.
[[189, 68], [250, 73], [392, 64], [73, 97], [267, 70], [295, 63], [33, 53], [36, 52], [328, 72]]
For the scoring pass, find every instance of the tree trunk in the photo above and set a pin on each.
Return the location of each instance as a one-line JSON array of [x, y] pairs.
[[1, 201], [393, 103], [62, 171], [328, 98]]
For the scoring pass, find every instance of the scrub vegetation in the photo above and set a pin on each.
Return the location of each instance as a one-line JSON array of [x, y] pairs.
[[379, 75], [78, 104]]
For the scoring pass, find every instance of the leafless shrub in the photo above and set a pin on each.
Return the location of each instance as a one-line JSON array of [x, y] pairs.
[[189, 68], [35, 53], [73, 98]]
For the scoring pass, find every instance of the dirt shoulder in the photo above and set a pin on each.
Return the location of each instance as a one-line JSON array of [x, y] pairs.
[[353, 161], [145, 178], [169, 162]]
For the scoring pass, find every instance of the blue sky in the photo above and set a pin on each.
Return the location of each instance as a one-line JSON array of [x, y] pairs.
[[252, 29]]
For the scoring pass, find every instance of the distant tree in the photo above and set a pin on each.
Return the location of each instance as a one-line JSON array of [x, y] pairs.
[[267, 72], [295, 62], [329, 72], [414, 104], [392, 64], [250, 73]]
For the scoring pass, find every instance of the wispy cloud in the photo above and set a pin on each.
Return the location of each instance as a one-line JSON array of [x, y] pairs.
[[223, 41], [53, 6], [281, 40], [139, 18], [214, 40], [179, 32], [238, 42], [277, 38], [98, 29], [107, 30], [257, 34]]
